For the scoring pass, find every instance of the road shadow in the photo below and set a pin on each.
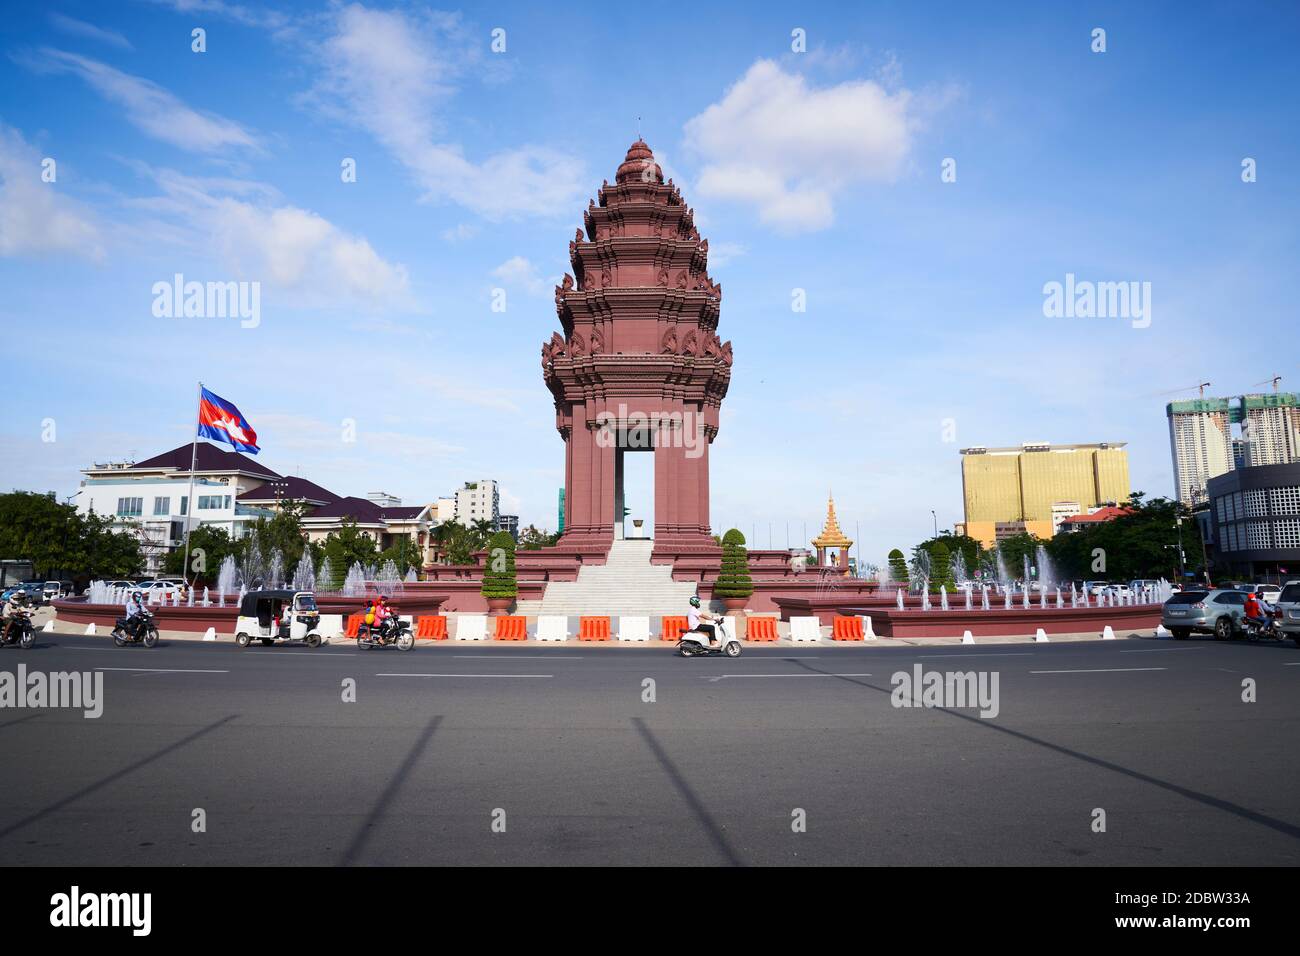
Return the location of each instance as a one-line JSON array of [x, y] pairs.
[[351, 854]]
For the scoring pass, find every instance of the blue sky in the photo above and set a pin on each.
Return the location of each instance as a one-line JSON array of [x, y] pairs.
[[817, 171]]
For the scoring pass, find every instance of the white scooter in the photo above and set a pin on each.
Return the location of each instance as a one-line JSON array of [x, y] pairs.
[[693, 644]]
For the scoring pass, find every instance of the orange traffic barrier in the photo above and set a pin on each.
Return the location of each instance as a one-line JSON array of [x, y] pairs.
[[593, 628], [761, 629], [432, 627], [354, 625], [512, 627], [673, 628], [847, 629]]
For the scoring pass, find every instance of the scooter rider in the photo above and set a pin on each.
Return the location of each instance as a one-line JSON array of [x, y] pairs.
[[701, 622], [14, 608], [383, 617], [135, 612]]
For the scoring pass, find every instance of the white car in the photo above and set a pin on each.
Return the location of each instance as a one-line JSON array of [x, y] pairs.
[[163, 589], [1269, 592]]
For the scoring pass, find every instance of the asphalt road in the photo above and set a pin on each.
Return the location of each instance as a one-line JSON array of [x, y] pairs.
[[559, 745]]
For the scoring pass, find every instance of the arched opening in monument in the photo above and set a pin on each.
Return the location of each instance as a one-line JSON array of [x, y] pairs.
[[634, 485]]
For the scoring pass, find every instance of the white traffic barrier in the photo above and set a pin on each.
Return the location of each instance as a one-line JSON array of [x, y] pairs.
[[730, 623], [210, 634], [967, 637], [471, 627], [1040, 637], [552, 627], [633, 628], [1108, 634], [1161, 631], [331, 625], [805, 629], [49, 626], [868, 630], [90, 629]]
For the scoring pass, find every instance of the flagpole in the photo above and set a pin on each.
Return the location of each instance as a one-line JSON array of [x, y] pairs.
[[189, 504]]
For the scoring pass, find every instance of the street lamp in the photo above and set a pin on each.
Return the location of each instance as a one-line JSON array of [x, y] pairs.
[[936, 522]]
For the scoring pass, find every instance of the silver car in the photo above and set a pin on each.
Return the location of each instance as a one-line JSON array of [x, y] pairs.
[[1288, 610], [1219, 612]]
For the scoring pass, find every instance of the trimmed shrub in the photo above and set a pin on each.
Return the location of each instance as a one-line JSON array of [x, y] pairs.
[[499, 571], [734, 581]]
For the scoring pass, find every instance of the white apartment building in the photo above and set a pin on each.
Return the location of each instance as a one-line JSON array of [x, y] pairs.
[[151, 497], [1200, 438], [478, 501], [1270, 429]]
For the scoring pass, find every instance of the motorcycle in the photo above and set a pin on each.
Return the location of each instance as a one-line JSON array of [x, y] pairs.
[[20, 630], [1265, 630], [146, 631], [396, 634], [693, 644]]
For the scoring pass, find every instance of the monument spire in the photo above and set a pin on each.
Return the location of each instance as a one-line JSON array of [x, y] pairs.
[[638, 365]]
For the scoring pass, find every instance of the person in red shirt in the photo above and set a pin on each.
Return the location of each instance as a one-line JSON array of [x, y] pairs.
[[383, 614]]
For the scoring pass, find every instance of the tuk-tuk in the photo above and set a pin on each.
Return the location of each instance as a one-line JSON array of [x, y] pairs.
[[271, 616]]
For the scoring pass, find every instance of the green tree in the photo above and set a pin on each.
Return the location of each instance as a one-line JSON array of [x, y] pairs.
[[344, 548], [209, 546], [1016, 548], [281, 531], [403, 552], [1142, 543], [57, 539], [734, 580], [499, 574], [969, 548], [530, 539], [940, 566], [898, 567]]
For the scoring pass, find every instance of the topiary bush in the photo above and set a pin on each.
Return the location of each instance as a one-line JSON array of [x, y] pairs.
[[734, 581], [898, 567], [499, 571], [940, 567]]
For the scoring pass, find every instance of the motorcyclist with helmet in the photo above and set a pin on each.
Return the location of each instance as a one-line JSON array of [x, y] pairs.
[[136, 612], [701, 621], [14, 609]]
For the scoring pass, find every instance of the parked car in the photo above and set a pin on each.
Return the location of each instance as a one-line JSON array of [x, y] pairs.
[[1269, 592], [56, 590], [1219, 612], [1287, 607], [35, 592], [1141, 584], [162, 589]]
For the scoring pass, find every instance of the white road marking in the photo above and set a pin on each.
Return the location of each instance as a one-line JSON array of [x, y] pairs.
[[725, 676], [464, 675], [161, 670], [1103, 670], [513, 657], [1292, 664], [930, 657], [1163, 650]]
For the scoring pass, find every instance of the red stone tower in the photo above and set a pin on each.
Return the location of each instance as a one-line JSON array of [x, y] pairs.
[[639, 367]]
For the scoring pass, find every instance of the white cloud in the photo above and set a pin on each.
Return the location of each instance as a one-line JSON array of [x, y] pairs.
[[259, 237], [35, 217], [392, 73], [721, 253], [148, 106], [89, 31], [518, 271], [786, 148]]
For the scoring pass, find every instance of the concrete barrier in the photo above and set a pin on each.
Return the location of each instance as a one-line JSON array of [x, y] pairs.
[[1108, 634], [967, 637], [552, 627], [634, 628], [1040, 637], [805, 629], [210, 634], [471, 627]]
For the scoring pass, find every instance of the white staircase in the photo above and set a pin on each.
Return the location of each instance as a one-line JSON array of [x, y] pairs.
[[626, 584]]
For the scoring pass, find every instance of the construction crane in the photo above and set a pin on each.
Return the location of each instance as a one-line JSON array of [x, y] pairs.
[[1272, 381], [1178, 391]]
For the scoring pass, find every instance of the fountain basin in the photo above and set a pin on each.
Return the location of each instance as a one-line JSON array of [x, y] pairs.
[[891, 622]]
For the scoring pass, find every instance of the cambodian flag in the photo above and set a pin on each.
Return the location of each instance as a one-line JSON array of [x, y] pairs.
[[220, 420]]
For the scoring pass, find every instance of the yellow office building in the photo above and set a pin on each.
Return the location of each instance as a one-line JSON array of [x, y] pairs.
[[1034, 487]]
